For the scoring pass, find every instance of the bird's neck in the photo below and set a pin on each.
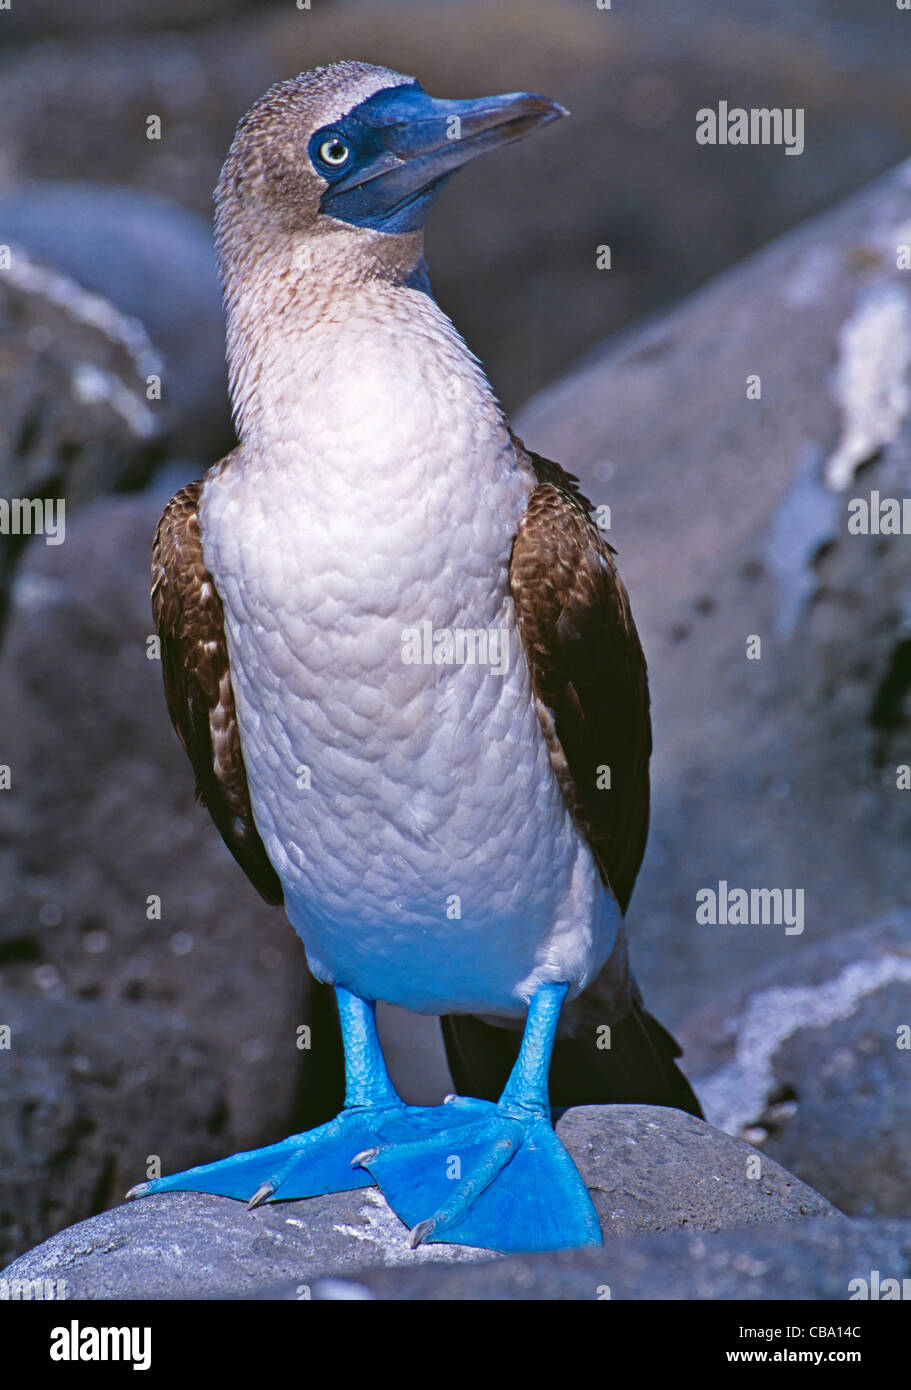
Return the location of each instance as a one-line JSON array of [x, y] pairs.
[[348, 371]]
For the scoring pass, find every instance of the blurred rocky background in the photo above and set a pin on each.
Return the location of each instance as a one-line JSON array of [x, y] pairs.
[[155, 1004]]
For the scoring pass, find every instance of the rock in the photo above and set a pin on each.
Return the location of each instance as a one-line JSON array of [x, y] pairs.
[[74, 417], [41, 18], [128, 936], [820, 1259], [84, 105], [85, 1089], [218, 1249], [154, 261], [781, 772], [649, 1169], [806, 1061], [653, 1169]]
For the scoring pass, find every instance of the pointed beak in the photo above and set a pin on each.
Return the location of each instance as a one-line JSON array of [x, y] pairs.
[[410, 143]]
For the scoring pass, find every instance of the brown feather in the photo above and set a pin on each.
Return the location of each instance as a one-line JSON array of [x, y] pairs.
[[197, 681], [587, 668], [590, 686]]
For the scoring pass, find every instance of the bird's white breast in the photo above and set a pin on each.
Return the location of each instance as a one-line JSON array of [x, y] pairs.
[[410, 809]]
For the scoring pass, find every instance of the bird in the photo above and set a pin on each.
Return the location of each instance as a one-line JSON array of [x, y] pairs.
[[399, 655]]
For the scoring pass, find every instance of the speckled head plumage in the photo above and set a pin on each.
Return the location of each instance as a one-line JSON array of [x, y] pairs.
[[268, 172], [357, 149]]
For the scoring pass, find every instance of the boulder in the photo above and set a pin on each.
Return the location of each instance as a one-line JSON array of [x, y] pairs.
[[41, 18], [820, 1260], [810, 1061], [730, 439], [155, 262], [648, 1170], [75, 418], [86, 1089]]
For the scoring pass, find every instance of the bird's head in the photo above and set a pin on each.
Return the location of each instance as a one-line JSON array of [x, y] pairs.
[[359, 148]]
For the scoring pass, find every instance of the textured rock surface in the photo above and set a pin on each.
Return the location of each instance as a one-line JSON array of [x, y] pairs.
[[217, 1249], [779, 772], [648, 1169], [88, 1088], [41, 18], [132, 1033], [652, 1169], [154, 261], [74, 418], [820, 1259], [810, 1060]]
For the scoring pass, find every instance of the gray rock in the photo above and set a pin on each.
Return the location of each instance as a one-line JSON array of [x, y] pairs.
[[779, 772], [84, 1089], [153, 260], [75, 420], [648, 1169], [205, 999], [81, 107], [804, 1061], [819, 1259], [653, 1169], [218, 1249], [41, 18]]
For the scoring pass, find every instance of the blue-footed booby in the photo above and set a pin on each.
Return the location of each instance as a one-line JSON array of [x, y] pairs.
[[398, 653]]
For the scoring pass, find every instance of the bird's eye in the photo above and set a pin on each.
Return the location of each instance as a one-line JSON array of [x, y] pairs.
[[334, 152]]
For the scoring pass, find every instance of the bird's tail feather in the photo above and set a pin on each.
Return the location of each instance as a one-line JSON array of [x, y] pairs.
[[638, 1067]]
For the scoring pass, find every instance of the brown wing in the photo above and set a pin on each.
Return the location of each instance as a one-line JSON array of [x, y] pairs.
[[590, 683], [587, 668], [197, 681]]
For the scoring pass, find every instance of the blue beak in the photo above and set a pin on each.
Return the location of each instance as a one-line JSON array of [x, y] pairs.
[[403, 145]]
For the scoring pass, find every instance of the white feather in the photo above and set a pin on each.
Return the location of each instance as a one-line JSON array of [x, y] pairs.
[[377, 489]]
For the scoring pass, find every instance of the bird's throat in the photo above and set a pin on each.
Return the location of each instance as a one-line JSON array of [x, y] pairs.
[[363, 378]]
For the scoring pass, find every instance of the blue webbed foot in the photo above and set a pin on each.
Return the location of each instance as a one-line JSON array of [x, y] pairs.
[[318, 1160], [473, 1173], [467, 1172], [304, 1165]]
